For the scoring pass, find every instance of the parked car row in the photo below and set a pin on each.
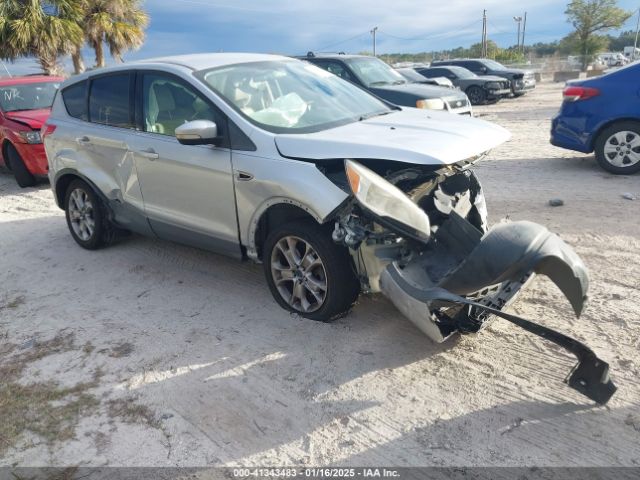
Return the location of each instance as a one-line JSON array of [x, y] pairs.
[[484, 81], [479, 89], [378, 78], [521, 81]]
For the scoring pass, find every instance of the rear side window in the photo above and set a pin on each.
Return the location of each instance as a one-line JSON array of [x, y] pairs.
[[75, 100], [110, 101], [431, 72], [473, 66]]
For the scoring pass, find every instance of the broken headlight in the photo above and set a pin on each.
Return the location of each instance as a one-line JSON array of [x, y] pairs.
[[31, 138], [388, 203]]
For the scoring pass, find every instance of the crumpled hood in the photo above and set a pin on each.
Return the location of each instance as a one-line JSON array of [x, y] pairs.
[[33, 118], [422, 137]]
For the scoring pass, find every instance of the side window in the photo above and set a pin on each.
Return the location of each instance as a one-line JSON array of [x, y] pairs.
[[429, 73], [475, 67], [75, 100], [448, 74], [109, 101], [339, 70], [168, 103]]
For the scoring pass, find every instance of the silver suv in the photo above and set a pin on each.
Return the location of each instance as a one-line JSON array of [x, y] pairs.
[[332, 189]]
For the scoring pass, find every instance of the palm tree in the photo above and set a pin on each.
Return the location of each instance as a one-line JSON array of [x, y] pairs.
[[43, 30], [119, 24]]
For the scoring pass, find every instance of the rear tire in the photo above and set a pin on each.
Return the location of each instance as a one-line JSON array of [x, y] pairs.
[[617, 148], [308, 273], [477, 96], [86, 216], [16, 165]]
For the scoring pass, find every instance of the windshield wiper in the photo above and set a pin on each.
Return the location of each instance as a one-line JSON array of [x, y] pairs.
[[371, 115], [373, 84]]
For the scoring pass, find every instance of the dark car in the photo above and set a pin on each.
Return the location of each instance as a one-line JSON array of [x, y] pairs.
[[602, 114], [521, 80], [479, 89], [375, 76]]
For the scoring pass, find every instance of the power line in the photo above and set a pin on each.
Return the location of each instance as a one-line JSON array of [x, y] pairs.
[[428, 36], [344, 41]]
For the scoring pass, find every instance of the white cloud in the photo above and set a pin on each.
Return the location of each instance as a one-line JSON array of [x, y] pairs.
[[308, 24]]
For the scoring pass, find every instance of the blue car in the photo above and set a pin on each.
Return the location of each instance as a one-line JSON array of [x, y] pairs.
[[602, 115]]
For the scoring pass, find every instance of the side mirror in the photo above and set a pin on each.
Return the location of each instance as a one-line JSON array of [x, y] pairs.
[[198, 132]]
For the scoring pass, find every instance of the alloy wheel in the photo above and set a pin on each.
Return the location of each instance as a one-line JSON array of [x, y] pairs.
[[81, 214], [622, 149], [299, 274]]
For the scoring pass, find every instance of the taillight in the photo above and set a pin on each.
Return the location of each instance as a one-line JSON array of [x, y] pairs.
[[575, 94], [47, 129]]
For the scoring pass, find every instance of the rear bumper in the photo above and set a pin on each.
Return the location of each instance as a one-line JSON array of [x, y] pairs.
[[566, 132], [34, 158], [488, 278]]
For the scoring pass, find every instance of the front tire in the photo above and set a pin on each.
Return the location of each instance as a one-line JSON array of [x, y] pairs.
[[308, 273], [618, 148], [16, 165], [477, 96], [86, 216]]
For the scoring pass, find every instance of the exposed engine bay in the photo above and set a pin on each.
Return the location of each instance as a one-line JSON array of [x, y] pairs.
[[451, 273]]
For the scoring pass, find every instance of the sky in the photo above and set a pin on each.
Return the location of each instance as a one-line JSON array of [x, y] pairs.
[[296, 27]]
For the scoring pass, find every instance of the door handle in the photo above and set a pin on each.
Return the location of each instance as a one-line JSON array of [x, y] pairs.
[[150, 154], [83, 140], [243, 176]]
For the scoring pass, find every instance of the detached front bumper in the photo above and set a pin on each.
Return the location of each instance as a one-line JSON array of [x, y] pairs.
[[468, 279]]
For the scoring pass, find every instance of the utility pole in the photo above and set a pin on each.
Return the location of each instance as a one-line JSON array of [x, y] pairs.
[[484, 34], [524, 30], [373, 32], [518, 20], [635, 43]]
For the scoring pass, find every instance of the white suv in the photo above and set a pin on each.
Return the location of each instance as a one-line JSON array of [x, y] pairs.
[[332, 189]]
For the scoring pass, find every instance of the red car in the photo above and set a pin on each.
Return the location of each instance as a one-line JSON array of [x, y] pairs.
[[25, 104]]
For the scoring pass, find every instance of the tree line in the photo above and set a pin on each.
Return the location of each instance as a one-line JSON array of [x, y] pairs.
[[49, 30], [590, 19]]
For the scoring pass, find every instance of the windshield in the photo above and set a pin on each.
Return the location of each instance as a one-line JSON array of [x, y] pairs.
[[30, 96], [494, 65], [291, 96], [411, 75], [374, 72], [463, 73]]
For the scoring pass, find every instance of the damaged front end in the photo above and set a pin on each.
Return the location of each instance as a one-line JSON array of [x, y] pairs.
[[419, 235]]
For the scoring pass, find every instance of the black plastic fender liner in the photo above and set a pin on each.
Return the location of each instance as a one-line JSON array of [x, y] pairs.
[[589, 377], [511, 250]]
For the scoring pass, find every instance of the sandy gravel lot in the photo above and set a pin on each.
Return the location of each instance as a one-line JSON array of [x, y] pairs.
[[149, 353]]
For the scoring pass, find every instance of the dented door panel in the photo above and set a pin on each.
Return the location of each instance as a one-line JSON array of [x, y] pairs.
[[102, 154]]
